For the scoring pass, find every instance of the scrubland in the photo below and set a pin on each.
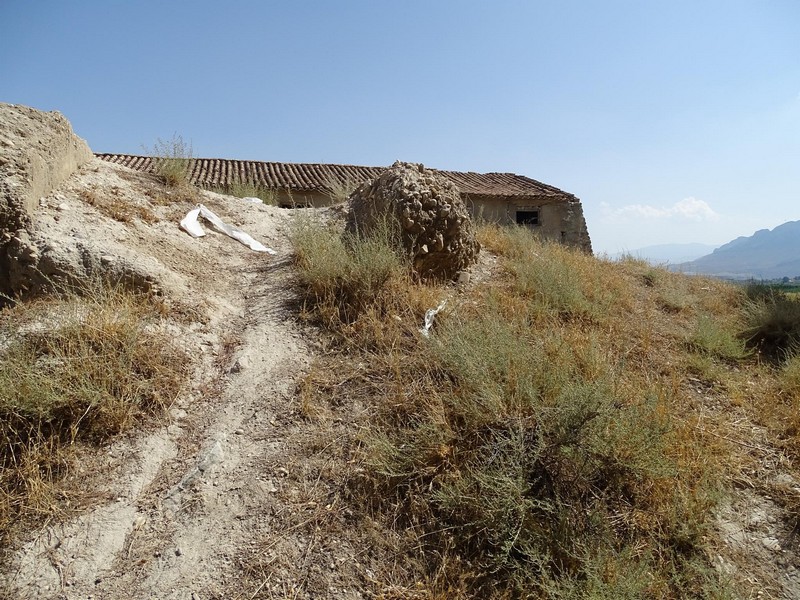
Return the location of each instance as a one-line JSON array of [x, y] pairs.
[[569, 428]]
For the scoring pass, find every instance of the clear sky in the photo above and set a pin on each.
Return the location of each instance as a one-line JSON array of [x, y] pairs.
[[673, 120]]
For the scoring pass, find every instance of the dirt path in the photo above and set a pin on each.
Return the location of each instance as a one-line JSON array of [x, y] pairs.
[[186, 500]]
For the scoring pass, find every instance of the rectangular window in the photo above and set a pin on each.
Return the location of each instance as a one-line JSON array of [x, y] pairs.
[[527, 217]]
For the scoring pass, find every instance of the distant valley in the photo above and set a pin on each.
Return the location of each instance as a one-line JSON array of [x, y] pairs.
[[668, 253], [767, 254]]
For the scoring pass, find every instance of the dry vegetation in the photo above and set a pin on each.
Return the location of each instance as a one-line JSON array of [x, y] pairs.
[[121, 209], [247, 189], [568, 429], [75, 370], [173, 160]]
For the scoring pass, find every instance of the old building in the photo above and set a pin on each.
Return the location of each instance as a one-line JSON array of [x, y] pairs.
[[504, 198]]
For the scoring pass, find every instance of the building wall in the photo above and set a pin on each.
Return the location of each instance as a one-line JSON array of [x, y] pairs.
[[561, 221], [286, 199]]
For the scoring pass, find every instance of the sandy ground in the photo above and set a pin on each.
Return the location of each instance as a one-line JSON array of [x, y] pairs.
[[186, 497]]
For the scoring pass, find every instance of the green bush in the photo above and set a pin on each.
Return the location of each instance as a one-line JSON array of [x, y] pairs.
[[716, 340], [524, 456]]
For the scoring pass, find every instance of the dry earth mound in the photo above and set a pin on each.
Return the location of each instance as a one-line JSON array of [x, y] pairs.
[[38, 152], [435, 227]]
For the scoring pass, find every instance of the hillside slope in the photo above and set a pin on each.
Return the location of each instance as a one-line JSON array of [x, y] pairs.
[[566, 427], [261, 482]]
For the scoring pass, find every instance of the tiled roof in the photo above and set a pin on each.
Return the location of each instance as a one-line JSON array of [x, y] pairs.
[[311, 177]]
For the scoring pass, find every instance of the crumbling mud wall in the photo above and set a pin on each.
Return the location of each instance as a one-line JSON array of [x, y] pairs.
[[38, 152]]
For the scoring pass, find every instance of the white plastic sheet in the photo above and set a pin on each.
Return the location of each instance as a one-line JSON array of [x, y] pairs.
[[429, 316], [191, 226]]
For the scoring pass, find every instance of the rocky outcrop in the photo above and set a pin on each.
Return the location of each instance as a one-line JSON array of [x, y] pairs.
[[435, 227], [38, 152]]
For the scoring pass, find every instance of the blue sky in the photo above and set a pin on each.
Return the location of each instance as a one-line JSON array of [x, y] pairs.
[[673, 121]]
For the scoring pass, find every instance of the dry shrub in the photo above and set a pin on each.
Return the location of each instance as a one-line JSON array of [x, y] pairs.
[[529, 447], [249, 189], [341, 273], [75, 370], [173, 160], [118, 208], [773, 323]]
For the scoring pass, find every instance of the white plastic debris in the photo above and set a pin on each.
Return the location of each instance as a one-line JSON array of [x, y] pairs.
[[190, 225], [429, 316]]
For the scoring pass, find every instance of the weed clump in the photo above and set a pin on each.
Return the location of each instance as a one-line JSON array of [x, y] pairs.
[[772, 322], [342, 274], [74, 370], [248, 189], [173, 159]]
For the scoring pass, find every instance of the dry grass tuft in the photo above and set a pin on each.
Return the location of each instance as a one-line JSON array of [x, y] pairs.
[[74, 370], [246, 189], [119, 209], [340, 189], [173, 159]]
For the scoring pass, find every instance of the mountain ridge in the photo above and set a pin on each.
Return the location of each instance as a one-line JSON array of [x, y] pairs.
[[767, 254]]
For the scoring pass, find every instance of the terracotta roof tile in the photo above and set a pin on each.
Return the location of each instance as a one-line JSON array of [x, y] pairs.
[[312, 177]]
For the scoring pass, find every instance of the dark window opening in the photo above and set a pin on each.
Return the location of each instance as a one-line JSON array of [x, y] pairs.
[[527, 217]]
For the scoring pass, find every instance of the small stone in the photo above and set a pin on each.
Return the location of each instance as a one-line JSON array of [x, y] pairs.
[[463, 278], [242, 363], [771, 543], [239, 431], [178, 552], [63, 207]]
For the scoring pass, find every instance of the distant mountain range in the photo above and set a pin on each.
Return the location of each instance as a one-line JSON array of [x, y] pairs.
[[767, 254], [667, 253]]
